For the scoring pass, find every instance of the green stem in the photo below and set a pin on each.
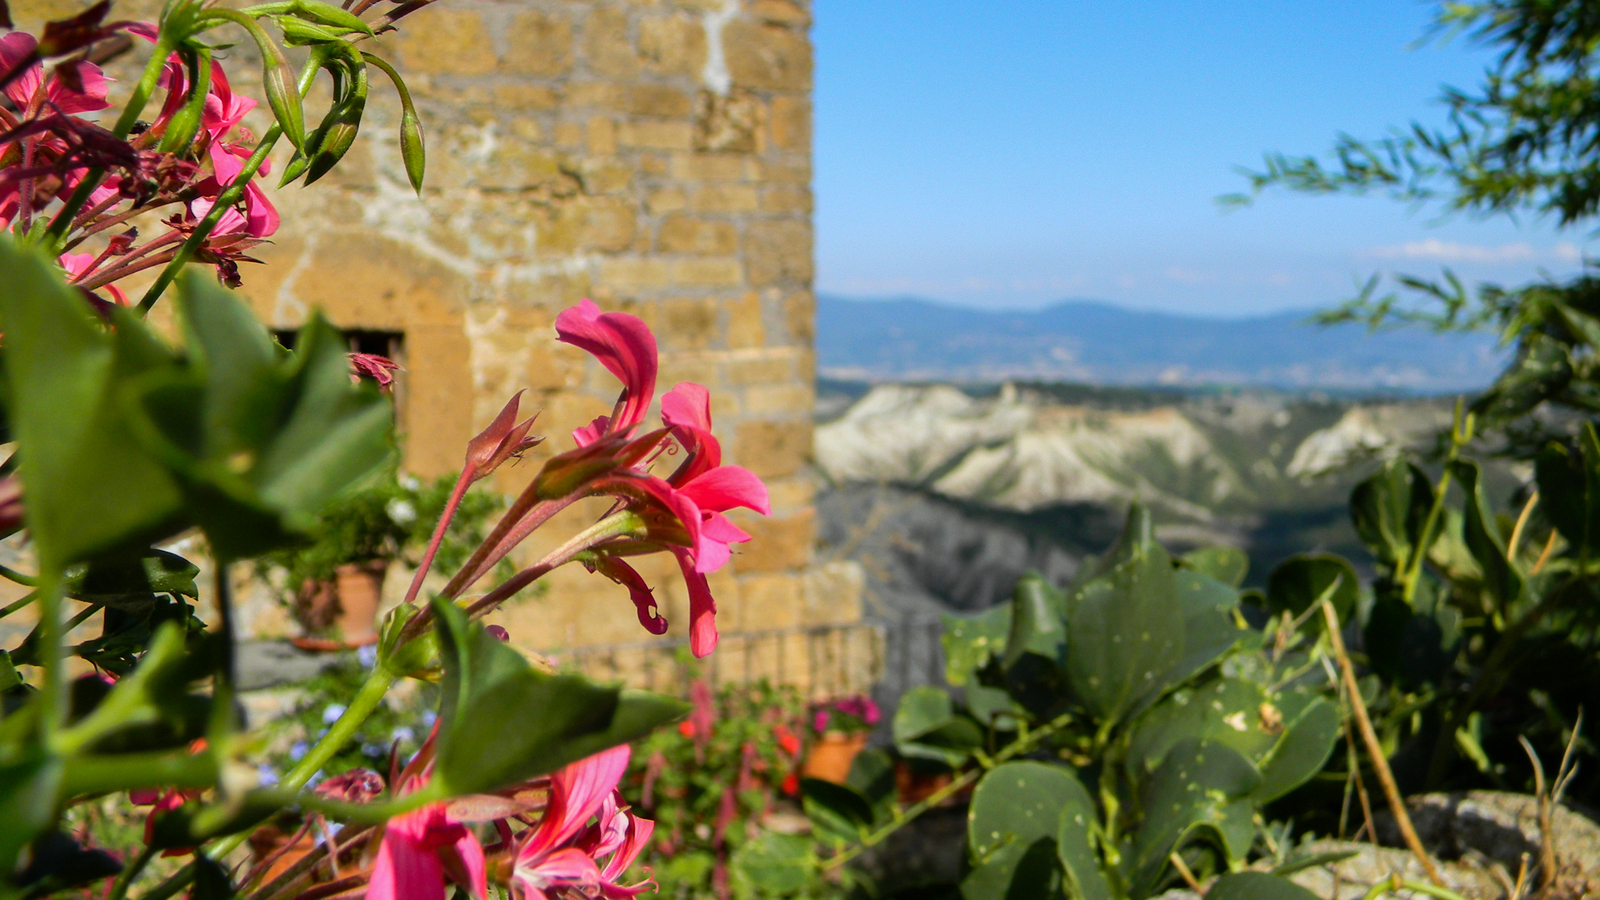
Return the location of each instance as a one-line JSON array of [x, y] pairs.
[[1395, 883], [127, 771], [62, 223], [53, 694], [1017, 747], [15, 605], [225, 201], [11, 574], [366, 700], [202, 230], [119, 888]]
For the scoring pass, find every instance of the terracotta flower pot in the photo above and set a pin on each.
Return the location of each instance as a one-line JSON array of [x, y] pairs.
[[341, 613], [270, 843], [831, 756]]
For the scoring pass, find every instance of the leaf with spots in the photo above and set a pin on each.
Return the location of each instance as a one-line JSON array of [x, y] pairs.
[[1200, 791], [1125, 628], [1227, 711], [1012, 829], [969, 642]]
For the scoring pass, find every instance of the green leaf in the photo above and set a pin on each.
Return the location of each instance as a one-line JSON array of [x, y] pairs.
[[156, 572], [1012, 827], [1200, 788], [262, 441], [561, 718], [1036, 621], [872, 776], [1256, 886], [1228, 565], [1501, 577], [777, 864], [1569, 489], [970, 642], [1224, 711], [927, 726], [1125, 625], [28, 801], [1085, 879], [1390, 510], [837, 812], [1301, 752], [64, 375], [1300, 581]]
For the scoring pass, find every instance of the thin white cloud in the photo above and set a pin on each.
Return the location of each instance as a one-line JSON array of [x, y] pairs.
[[1435, 250]]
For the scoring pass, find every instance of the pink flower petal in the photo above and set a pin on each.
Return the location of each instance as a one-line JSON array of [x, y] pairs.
[[624, 345], [726, 487], [702, 607], [405, 869], [643, 597]]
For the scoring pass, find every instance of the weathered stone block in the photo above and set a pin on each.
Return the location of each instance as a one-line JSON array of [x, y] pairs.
[[445, 40], [775, 367], [688, 234], [770, 399], [658, 100], [774, 449], [540, 43], [608, 47], [766, 56], [707, 272], [655, 134], [672, 45], [800, 314], [710, 166], [778, 251], [832, 593], [787, 199], [688, 324], [791, 122], [745, 326], [776, 544], [726, 123], [724, 198]]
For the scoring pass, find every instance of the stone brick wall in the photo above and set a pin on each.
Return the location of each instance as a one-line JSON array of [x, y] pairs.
[[652, 155]]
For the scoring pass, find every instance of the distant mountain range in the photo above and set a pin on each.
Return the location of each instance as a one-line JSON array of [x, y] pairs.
[[1088, 341]]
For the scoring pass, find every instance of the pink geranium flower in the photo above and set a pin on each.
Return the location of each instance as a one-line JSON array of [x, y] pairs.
[[31, 91], [695, 497], [560, 857]]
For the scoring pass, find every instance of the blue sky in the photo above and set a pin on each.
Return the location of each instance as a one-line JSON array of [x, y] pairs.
[[1009, 154]]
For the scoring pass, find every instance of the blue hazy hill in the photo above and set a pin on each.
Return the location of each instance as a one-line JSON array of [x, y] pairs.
[[1083, 340]]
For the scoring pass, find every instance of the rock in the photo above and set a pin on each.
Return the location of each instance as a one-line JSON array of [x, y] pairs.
[[1502, 828], [1352, 878]]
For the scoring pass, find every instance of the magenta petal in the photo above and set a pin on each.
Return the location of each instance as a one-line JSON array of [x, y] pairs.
[[624, 345], [91, 98], [644, 600], [577, 790], [687, 404], [726, 487], [14, 48], [472, 872], [591, 432], [569, 865], [702, 608], [405, 870]]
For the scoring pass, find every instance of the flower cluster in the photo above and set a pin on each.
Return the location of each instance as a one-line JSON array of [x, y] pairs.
[[683, 512], [48, 149]]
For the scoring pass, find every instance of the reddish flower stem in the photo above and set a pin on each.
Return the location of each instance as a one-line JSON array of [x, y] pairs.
[[450, 508]]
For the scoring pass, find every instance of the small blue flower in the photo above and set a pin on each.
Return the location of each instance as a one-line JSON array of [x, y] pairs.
[[404, 735], [266, 775], [429, 717], [299, 750], [368, 655], [332, 713]]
